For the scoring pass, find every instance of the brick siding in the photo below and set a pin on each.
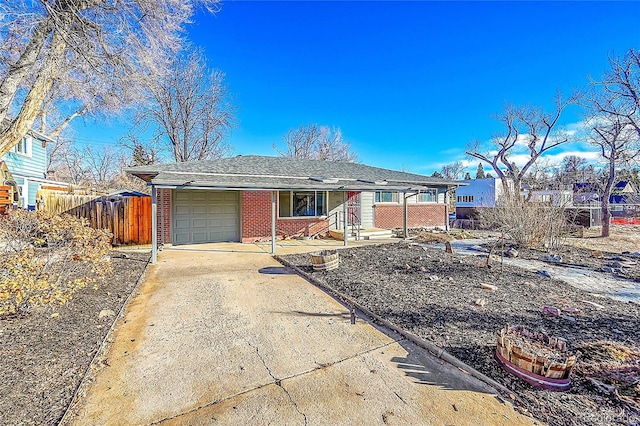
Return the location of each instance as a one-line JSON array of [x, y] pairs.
[[389, 216], [256, 219]]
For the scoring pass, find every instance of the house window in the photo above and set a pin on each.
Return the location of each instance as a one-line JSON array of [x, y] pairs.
[[386, 197], [429, 195], [23, 147], [465, 198], [302, 203]]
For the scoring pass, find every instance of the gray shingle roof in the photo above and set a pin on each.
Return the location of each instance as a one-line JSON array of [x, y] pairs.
[[260, 172]]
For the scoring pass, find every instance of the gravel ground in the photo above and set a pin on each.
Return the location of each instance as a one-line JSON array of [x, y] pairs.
[[44, 354], [438, 296]]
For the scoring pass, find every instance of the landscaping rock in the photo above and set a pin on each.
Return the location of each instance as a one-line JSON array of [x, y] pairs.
[[511, 252], [553, 258], [106, 313]]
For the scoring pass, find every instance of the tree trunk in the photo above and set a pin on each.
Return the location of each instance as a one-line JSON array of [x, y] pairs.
[[606, 217], [32, 103], [606, 212], [19, 70]]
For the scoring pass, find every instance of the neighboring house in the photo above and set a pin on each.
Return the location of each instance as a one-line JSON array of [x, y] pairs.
[[231, 199], [624, 201], [586, 192], [624, 187], [477, 193], [27, 162], [553, 197], [485, 193]]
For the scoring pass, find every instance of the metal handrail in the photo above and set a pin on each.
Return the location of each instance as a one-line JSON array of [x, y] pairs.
[[355, 225]]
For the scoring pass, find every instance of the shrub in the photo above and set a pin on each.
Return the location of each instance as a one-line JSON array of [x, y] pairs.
[[45, 259], [528, 224]]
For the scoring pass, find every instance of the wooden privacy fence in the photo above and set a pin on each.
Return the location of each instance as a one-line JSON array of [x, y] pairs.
[[5, 198], [128, 218]]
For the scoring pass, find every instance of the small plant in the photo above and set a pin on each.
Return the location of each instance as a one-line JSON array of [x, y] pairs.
[[45, 259]]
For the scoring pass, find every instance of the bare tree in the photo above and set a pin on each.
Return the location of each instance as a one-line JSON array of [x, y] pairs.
[[316, 142], [615, 120], [453, 171], [620, 94], [619, 144], [529, 128], [70, 165], [100, 48], [143, 153], [189, 110], [101, 164]]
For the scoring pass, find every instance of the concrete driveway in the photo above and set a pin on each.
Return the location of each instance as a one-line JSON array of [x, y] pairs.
[[233, 338]]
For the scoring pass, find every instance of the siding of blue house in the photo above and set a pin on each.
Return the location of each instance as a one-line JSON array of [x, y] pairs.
[[31, 163]]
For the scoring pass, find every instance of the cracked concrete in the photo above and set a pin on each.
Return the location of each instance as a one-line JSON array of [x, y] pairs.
[[212, 340]]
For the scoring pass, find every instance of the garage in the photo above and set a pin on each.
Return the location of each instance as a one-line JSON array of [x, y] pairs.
[[201, 216]]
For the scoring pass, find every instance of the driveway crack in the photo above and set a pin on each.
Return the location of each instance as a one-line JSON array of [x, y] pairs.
[[278, 382]]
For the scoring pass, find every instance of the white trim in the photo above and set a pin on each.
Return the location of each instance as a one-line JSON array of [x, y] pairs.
[[388, 181], [28, 147], [53, 182], [292, 191]]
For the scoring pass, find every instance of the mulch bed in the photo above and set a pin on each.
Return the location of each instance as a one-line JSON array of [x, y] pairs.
[[438, 297], [592, 259], [45, 357]]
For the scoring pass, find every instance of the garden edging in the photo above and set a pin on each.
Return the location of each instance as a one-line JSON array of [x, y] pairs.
[[433, 349]]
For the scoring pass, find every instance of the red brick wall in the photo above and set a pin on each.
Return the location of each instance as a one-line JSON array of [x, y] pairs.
[[389, 216], [163, 215], [256, 219]]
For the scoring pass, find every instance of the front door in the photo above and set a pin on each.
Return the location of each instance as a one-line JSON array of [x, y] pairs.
[[353, 208]]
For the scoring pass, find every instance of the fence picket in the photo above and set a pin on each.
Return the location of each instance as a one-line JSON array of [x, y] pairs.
[[127, 218]]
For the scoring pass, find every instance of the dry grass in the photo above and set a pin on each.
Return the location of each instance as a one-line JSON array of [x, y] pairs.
[[622, 238]]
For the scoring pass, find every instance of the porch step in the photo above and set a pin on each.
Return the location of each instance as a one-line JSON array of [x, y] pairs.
[[365, 234]]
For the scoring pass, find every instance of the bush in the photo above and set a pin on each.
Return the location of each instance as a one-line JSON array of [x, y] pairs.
[[45, 259], [528, 224]]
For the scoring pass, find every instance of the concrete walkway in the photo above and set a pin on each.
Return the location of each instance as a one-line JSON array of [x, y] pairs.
[[225, 335]]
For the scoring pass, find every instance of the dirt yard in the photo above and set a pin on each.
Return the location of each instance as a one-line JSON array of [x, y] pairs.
[[438, 296], [46, 352]]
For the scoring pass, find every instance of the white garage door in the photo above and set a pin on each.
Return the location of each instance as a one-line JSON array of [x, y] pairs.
[[205, 216]]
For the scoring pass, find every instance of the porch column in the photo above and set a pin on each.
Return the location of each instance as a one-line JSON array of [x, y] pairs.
[[446, 210], [405, 217], [273, 222], [344, 213], [154, 225]]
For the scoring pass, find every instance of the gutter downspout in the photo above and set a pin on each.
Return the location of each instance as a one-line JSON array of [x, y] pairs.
[[273, 222], [154, 225]]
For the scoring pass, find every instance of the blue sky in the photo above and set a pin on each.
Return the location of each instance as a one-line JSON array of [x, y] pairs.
[[409, 83]]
